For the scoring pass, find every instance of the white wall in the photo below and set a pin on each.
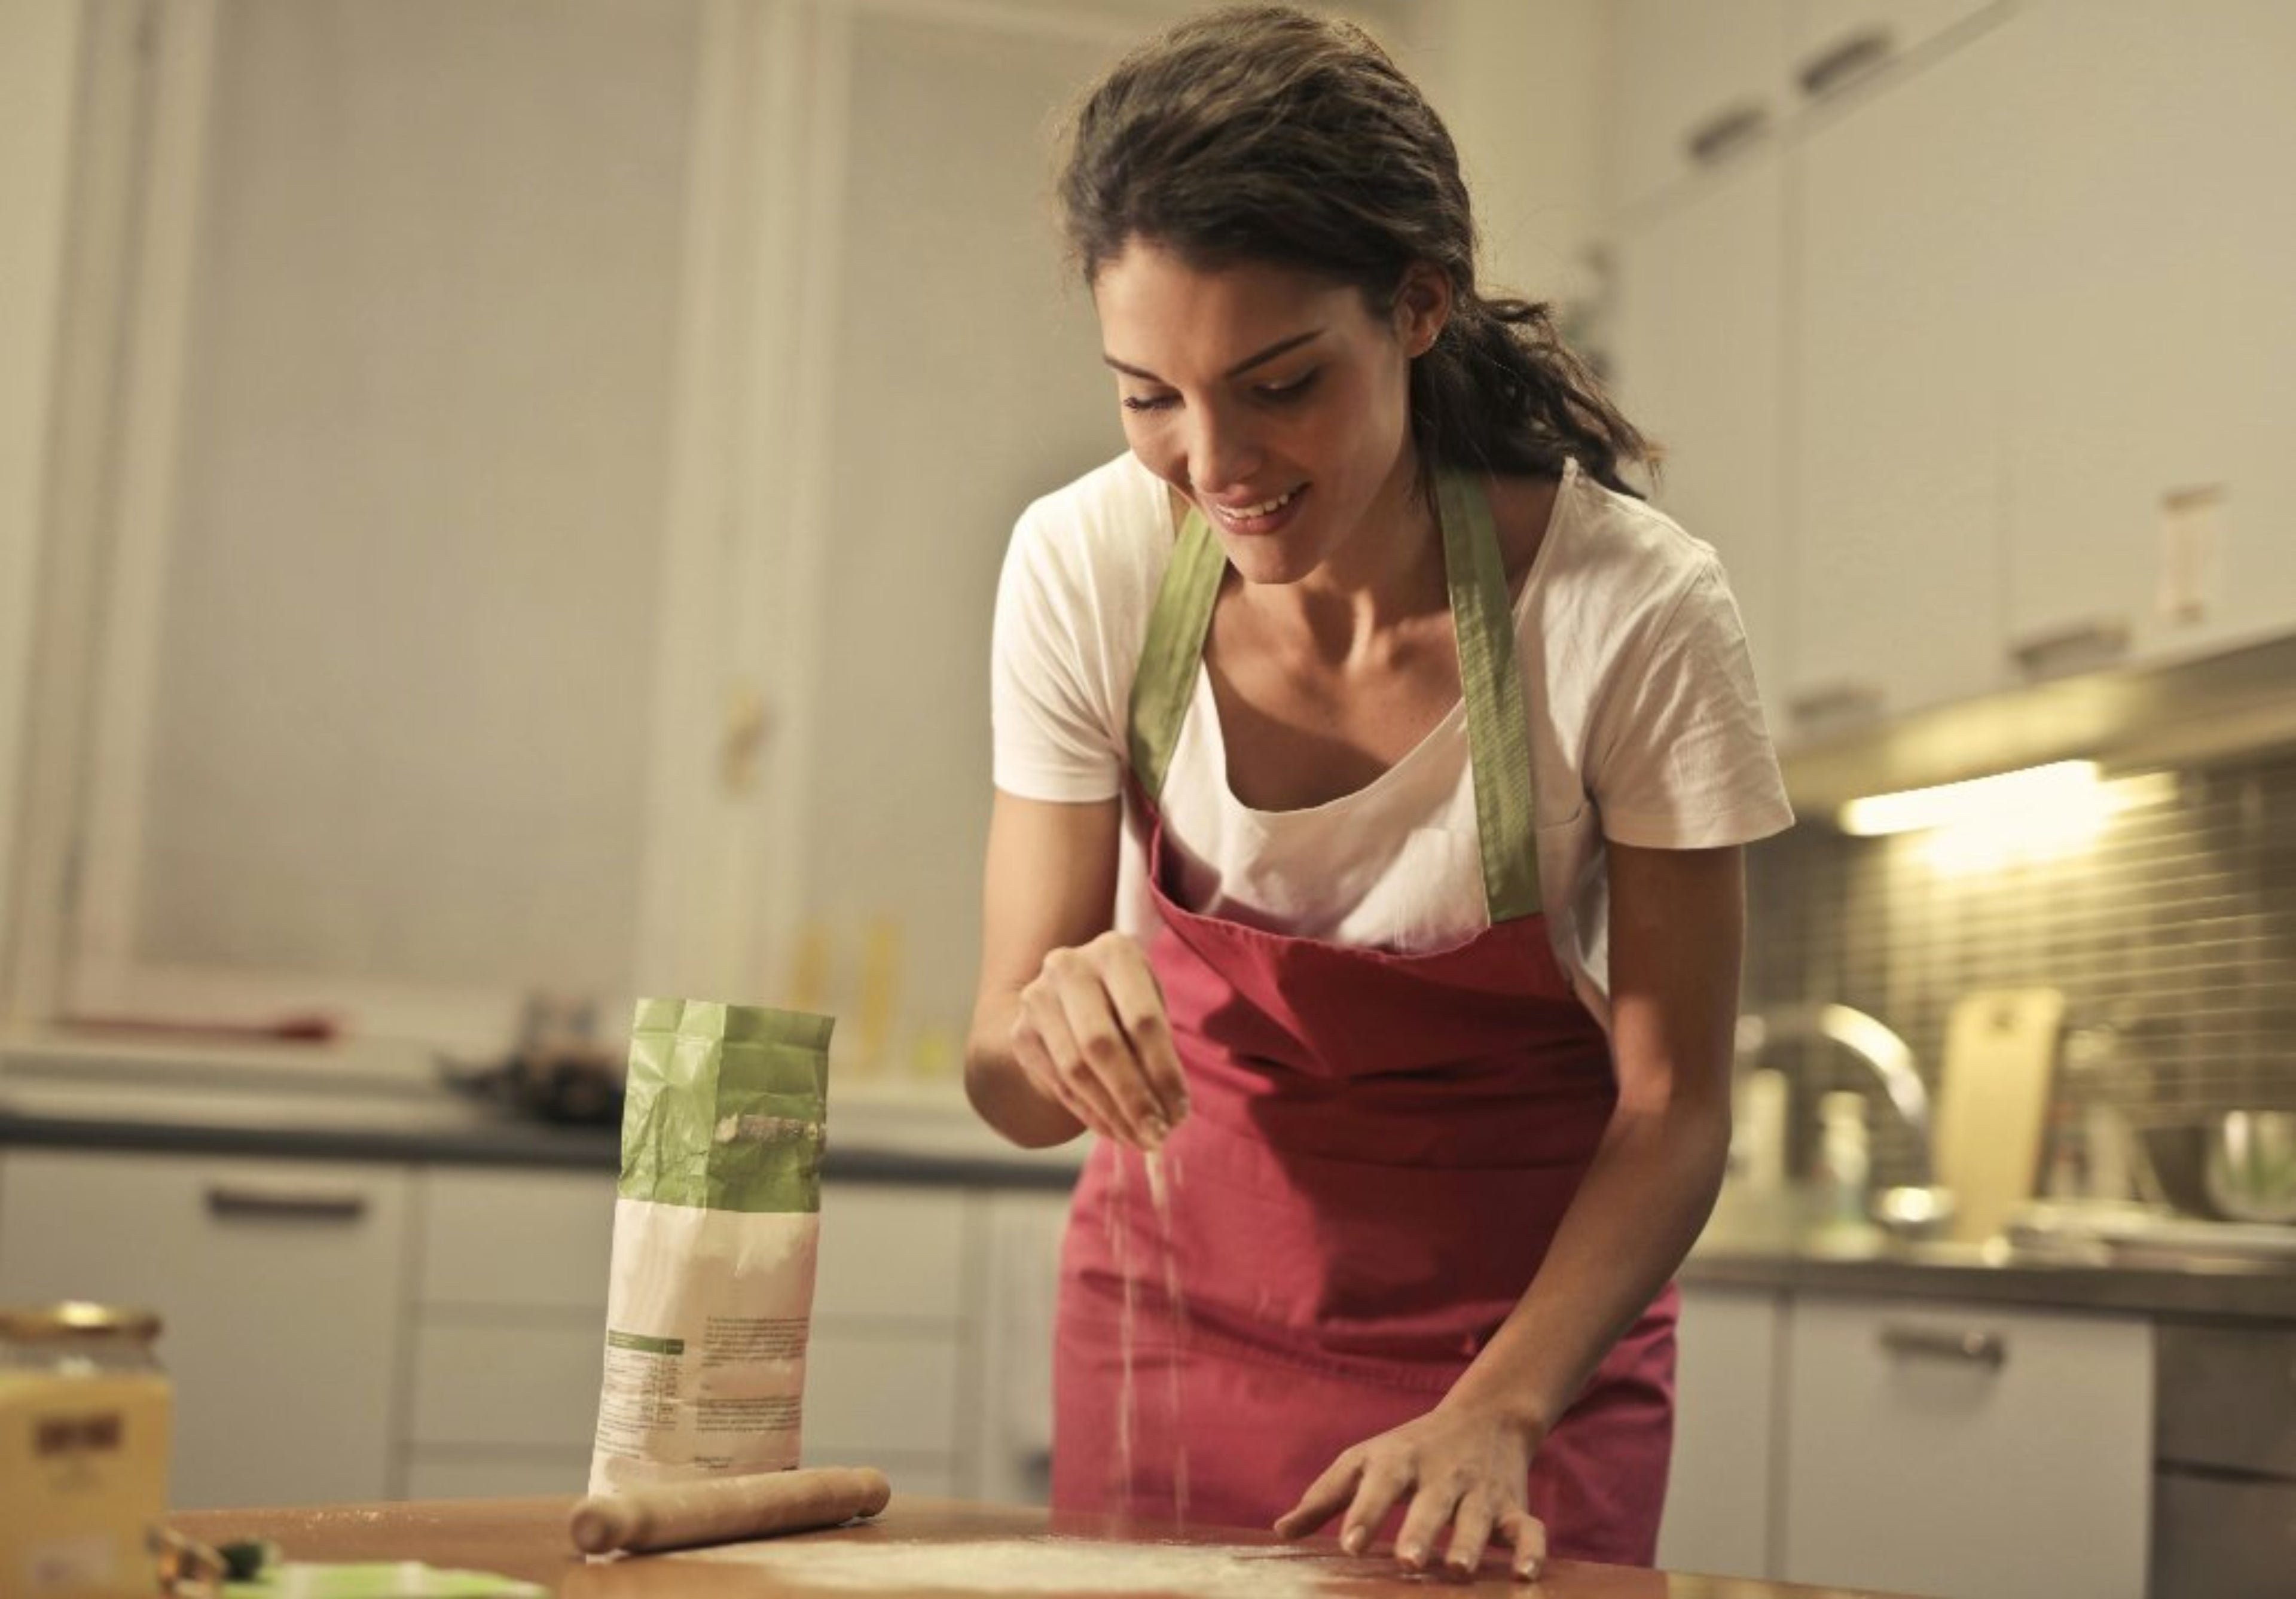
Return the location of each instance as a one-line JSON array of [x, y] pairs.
[[38, 52]]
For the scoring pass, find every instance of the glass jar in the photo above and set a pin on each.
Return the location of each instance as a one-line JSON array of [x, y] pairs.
[[86, 1416]]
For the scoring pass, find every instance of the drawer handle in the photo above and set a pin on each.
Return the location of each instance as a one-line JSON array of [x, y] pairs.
[[2101, 638], [1725, 131], [226, 1203], [1855, 56], [1835, 702], [1926, 1343]]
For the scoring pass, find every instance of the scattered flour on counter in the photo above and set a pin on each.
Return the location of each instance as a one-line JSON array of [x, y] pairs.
[[1047, 1565]]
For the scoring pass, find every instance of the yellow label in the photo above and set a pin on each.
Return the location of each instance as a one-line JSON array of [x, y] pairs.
[[83, 1476]]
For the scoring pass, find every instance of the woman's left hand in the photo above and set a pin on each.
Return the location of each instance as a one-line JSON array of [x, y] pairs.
[[1461, 1465]]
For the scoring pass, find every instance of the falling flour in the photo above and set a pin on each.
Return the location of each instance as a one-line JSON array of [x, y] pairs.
[[1046, 1565], [1163, 1176]]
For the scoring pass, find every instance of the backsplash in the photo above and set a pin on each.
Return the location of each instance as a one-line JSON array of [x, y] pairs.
[[2176, 927]]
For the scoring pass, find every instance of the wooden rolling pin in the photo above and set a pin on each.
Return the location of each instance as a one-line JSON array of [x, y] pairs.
[[673, 1515]]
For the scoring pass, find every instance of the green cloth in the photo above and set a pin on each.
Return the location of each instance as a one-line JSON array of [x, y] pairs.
[[726, 1105]]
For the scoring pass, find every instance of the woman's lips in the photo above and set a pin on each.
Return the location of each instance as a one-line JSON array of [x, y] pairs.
[[1262, 517]]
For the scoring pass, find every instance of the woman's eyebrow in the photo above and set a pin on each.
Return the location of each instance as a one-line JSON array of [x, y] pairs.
[[1280, 347]]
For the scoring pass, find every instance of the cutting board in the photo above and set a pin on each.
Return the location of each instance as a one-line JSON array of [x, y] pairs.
[[1993, 1102]]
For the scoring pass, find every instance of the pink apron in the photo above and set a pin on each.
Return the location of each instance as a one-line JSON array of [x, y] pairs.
[[1380, 1150]]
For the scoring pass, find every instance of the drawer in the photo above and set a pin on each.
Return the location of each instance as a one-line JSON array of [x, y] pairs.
[[527, 1239], [879, 1388], [2227, 1397], [512, 1383], [1972, 1450], [2217, 1538], [495, 1474], [891, 1250]]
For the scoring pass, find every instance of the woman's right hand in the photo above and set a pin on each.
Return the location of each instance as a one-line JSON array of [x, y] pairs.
[[1091, 1034]]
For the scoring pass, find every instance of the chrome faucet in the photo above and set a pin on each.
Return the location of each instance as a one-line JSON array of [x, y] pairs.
[[1888, 1055]]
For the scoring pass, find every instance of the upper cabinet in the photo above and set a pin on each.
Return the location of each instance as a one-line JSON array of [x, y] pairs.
[[1898, 265], [2148, 357], [1836, 42], [2023, 262], [1690, 85], [1698, 341]]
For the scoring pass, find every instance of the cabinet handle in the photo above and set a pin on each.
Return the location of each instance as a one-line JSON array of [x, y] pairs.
[[306, 1205], [2099, 639], [1725, 131], [1927, 1343], [1835, 702], [1852, 58]]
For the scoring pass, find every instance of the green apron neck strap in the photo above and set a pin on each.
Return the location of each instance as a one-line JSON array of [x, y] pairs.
[[1173, 646], [1491, 682]]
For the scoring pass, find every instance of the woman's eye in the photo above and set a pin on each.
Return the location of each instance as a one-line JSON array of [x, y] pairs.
[[1297, 389], [1147, 402]]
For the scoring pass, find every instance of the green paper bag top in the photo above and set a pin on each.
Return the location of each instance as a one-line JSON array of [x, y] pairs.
[[726, 1106]]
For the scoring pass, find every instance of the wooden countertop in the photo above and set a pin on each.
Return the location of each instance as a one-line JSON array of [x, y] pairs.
[[527, 1538]]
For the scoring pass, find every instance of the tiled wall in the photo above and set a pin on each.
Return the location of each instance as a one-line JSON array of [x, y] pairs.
[[2176, 927]]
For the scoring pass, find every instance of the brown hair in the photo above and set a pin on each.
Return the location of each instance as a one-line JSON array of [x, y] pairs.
[[1265, 133]]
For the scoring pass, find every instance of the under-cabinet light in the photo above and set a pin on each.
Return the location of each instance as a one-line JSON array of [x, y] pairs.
[[2039, 791]]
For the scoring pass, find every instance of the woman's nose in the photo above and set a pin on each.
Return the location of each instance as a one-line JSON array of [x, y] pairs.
[[1222, 453]]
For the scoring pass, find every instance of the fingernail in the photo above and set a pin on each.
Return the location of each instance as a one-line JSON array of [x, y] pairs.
[[1354, 1540], [1158, 1130], [1412, 1555]]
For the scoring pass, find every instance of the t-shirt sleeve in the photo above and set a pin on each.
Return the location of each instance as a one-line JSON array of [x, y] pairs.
[[1055, 737], [1681, 757]]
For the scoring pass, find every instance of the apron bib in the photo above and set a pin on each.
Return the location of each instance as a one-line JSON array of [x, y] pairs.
[[1379, 1150]]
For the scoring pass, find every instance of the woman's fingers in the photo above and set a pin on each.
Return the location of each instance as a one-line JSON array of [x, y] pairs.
[[1471, 1534], [1139, 1007], [1325, 1498], [1079, 1099], [1092, 1031], [1431, 1508], [1526, 1534]]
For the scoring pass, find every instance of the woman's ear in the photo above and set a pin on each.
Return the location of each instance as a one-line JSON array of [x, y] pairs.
[[1423, 305]]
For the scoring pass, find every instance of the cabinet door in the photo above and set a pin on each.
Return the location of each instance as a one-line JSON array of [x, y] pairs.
[[2154, 331], [1699, 340], [1837, 42], [1970, 1450], [885, 1379], [278, 1284], [1683, 78], [1718, 1490], [1897, 418]]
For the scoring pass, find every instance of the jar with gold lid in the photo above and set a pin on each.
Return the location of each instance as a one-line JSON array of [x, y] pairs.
[[85, 1412]]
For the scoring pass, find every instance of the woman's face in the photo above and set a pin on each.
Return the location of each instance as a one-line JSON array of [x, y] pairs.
[[1272, 399]]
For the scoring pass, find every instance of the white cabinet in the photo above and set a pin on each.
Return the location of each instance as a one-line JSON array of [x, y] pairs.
[[1014, 1438], [1899, 316], [1690, 85], [1966, 1450], [1699, 339], [1720, 1491], [279, 1285], [887, 1378], [508, 1313], [1836, 42], [2154, 331]]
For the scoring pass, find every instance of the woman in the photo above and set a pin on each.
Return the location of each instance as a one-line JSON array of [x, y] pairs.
[[1370, 768]]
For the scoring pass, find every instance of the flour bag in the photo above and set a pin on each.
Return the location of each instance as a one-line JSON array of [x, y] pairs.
[[717, 1229]]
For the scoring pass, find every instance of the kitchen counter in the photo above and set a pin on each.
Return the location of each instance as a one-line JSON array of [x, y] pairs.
[[301, 1104], [1991, 1273], [296, 1103], [527, 1538]]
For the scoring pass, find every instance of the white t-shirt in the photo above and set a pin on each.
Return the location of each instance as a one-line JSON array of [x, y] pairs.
[[1640, 695]]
